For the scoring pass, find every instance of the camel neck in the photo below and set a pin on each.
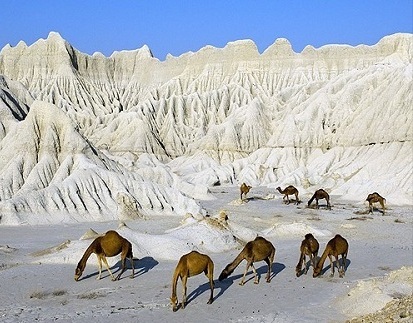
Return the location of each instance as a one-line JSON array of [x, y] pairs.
[[87, 254], [174, 282], [322, 259]]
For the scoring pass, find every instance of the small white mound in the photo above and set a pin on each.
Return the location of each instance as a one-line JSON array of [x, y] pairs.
[[89, 234], [6, 249], [370, 296], [294, 229]]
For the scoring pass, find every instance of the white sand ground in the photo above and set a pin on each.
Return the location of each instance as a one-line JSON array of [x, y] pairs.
[[37, 282]]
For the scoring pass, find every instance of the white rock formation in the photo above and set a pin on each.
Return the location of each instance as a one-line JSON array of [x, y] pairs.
[[158, 133]]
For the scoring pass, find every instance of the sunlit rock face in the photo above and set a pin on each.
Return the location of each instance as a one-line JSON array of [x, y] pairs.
[[79, 134]]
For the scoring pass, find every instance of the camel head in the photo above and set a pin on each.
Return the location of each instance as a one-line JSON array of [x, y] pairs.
[[225, 273], [316, 272], [174, 303], [78, 271]]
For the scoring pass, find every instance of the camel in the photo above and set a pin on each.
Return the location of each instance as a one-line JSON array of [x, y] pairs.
[[375, 198], [319, 195], [109, 245], [289, 190], [256, 250], [189, 265], [244, 189], [309, 246], [335, 247]]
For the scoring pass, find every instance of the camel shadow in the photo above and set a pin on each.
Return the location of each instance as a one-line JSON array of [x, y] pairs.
[[142, 266], [262, 271], [198, 291], [320, 206], [293, 202], [328, 267]]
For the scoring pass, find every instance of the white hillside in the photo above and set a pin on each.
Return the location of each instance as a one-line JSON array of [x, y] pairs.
[[156, 134], [50, 173]]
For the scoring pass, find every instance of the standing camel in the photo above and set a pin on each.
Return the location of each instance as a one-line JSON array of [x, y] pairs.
[[309, 246], [335, 247], [108, 245], [375, 198], [289, 190], [244, 189], [319, 195], [256, 250], [189, 265]]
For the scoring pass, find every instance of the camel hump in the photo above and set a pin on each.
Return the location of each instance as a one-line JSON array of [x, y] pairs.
[[309, 236], [111, 233]]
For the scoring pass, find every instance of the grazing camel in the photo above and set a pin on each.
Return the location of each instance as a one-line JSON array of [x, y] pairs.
[[375, 198], [108, 245], [309, 246], [289, 190], [244, 189], [256, 250], [189, 265], [335, 247], [319, 195]]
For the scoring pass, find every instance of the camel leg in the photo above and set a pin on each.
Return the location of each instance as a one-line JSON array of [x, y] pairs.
[[245, 273], [296, 199], [305, 265], [269, 261], [100, 268], [211, 286], [331, 265], [314, 260], [210, 274], [133, 267], [123, 268], [342, 270], [184, 280], [382, 205], [288, 199], [107, 267], [256, 279]]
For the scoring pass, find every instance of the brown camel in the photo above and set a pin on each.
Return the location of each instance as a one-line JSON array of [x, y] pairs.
[[309, 246], [256, 250], [189, 265], [375, 198], [335, 247], [108, 245], [319, 195], [244, 189], [289, 190]]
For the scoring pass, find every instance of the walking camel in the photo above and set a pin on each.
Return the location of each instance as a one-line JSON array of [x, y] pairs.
[[244, 189], [309, 247], [256, 250], [375, 198], [319, 195], [289, 190], [189, 265], [335, 247], [109, 245]]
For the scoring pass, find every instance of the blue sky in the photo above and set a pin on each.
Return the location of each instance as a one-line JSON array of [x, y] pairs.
[[177, 27]]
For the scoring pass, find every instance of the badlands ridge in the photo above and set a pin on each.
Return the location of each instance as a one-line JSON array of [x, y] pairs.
[[85, 138]]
